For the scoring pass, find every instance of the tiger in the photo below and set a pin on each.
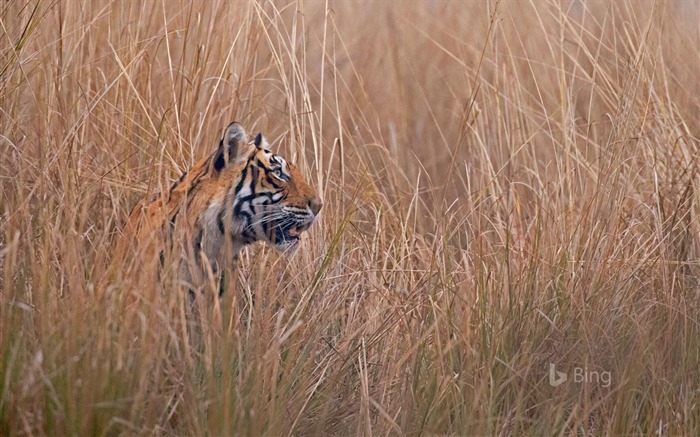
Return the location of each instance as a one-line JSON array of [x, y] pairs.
[[240, 194]]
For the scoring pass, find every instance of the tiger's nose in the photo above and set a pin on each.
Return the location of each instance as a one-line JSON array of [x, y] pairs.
[[315, 205]]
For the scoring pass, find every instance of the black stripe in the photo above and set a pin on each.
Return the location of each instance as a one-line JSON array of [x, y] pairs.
[[239, 186], [220, 221], [260, 164], [173, 218], [248, 237], [198, 245], [220, 162], [195, 180], [245, 216], [253, 182], [238, 209], [269, 195], [191, 195], [222, 284], [254, 173], [178, 182], [270, 180], [237, 204]]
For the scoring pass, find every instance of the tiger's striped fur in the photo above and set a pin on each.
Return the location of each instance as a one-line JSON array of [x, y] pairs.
[[240, 194]]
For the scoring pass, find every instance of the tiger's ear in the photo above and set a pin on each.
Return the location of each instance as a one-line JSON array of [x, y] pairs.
[[234, 136], [259, 141]]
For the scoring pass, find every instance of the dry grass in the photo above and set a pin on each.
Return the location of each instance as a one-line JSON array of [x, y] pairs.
[[506, 185]]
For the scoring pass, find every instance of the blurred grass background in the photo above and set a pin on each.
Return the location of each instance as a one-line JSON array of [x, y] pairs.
[[506, 185]]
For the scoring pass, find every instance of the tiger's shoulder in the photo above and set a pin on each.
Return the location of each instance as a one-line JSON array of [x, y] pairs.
[[195, 189]]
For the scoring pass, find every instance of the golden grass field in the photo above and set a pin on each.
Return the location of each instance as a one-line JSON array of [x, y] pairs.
[[507, 186]]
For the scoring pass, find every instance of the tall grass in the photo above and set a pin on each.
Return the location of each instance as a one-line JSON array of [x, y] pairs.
[[506, 185]]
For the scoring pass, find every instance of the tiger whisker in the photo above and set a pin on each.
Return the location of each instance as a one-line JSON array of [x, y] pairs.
[[267, 219]]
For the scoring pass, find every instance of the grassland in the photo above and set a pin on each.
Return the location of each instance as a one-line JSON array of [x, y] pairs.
[[506, 185]]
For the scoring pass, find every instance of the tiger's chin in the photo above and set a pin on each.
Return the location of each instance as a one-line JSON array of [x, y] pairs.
[[288, 247], [288, 239]]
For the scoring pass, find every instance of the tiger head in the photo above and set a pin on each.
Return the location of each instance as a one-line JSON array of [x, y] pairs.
[[269, 198]]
